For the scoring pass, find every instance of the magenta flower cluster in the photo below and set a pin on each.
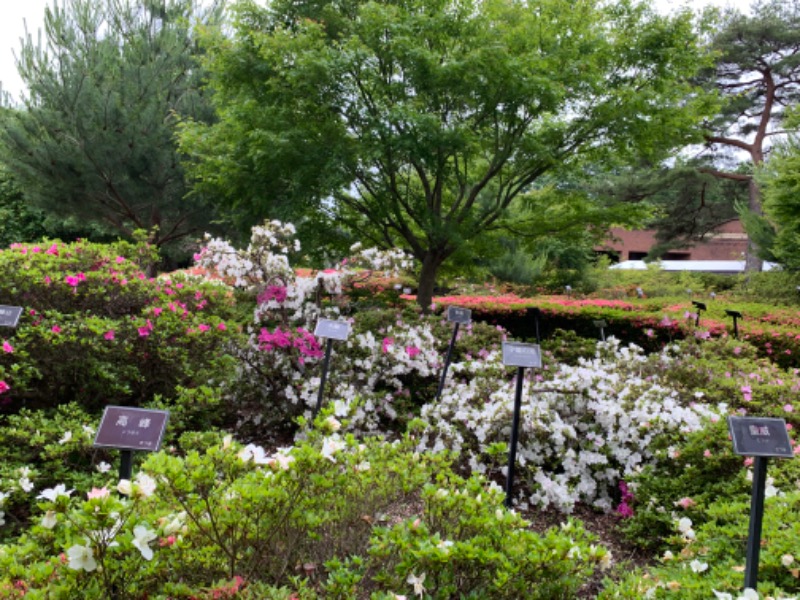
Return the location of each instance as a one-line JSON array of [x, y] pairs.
[[301, 339]]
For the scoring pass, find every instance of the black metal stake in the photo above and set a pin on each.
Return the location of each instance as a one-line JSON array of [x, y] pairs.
[[323, 377], [125, 464], [447, 360], [512, 450], [602, 335], [735, 329], [756, 517]]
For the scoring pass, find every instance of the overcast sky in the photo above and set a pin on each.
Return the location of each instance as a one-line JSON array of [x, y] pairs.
[[17, 13]]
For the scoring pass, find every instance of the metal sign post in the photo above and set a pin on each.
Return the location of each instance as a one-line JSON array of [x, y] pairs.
[[736, 315], [521, 356], [601, 325], [332, 330], [458, 316], [700, 307], [535, 312], [759, 437]]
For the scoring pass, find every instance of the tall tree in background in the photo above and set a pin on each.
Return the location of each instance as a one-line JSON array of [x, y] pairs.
[[418, 122], [94, 140], [758, 74]]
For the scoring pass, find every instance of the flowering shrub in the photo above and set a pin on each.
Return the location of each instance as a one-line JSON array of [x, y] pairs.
[[229, 517], [95, 329], [583, 428], [709, 560]]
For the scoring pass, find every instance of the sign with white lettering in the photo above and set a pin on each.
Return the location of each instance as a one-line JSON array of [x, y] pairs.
[[9, 315], [456, 314], [334, 330], [760, 436], [129, 428], [516, 354]]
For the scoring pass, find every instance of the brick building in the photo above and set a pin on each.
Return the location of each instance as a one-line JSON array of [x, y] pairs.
[[729, 242]]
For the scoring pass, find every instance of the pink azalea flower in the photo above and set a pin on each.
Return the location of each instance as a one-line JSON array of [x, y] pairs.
[[412, 351], [157, 311], [737, 350], [109, 335], [120, 260], [788, 407], [7, 348], [144, 331], [221, 327], [47, 280], [203, 327], [98, 493], [685, 502], [52, 250], [55, 329], [387, 344], [4, 387], [72, 280], [707, 453]]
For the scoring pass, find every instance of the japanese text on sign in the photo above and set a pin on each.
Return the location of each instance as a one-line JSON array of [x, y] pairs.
[[516, 354], [131, 428], [334, 330]]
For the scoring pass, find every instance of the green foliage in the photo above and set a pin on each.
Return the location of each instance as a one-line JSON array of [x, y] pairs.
[[354, 517], [424, 121], [95, 139], [714, 559], [96, 330], [466, 545]]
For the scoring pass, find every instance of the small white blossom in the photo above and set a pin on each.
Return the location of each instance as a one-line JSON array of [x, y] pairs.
[[142, 536], [81, 557], [417, 582], [52, 493], [49, 519], [103, 467], [65, 438], [697, 566]]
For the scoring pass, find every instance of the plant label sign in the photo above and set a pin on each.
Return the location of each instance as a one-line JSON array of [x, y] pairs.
[[456, 314], [9, 315], [128, 428], [760, 436], [333, 330], [600, 323], [517, 354]]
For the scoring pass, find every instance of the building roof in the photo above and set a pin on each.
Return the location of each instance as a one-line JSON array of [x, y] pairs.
[[706, 266]]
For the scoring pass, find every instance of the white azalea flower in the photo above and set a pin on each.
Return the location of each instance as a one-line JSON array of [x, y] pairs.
[[419, 589], [103, 467], [697, 566], [330, 446], [81, 557], [65, 438], [53, 493], [125, 487], [49, 519], [142, 536], [146, 484], [786, 559], [25, 484]]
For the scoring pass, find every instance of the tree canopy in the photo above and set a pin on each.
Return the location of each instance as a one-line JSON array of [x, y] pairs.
[[416, 123], [758, 75], [94, 139]]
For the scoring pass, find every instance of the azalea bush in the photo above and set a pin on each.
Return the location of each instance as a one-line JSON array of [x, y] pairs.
[[331, 515], [95, 329], [709, 558], [583, 428]]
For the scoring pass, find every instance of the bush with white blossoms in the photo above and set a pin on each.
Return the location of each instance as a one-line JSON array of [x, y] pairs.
[[582, 430]]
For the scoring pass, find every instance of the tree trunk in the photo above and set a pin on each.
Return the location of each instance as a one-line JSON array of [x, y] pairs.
[[427, 280], [752, 262]]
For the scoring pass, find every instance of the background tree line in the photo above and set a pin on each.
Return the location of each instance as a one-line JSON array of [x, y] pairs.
[[482, 137]]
